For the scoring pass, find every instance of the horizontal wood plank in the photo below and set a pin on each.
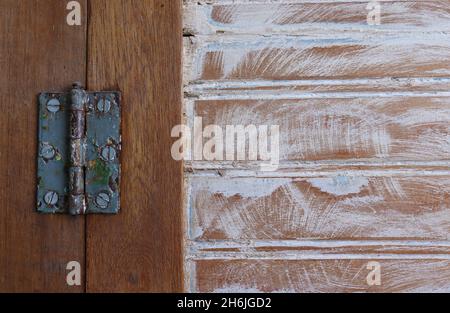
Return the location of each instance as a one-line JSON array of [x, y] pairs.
[[377, 128], [339, 208], [420, 275], [275, 58], [311, 17]]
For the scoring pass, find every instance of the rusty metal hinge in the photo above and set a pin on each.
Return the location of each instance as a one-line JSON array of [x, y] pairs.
[[79, 152]]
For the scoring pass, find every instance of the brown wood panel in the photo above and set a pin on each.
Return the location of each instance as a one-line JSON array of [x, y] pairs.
[[135, 47], [38, 51], [400, 275]]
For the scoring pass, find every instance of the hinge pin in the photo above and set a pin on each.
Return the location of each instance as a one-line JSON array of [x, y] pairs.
[[77, 201]]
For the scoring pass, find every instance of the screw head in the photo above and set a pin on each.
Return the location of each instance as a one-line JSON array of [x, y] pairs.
[[53, 105], [104, 105], [108, 153], [48, 152], [51, 198], [102, 200]]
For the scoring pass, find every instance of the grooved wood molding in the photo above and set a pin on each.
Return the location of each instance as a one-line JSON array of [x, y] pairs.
[[364, 115]]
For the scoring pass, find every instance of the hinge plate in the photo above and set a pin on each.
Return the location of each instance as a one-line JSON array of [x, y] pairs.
[[101, 147]]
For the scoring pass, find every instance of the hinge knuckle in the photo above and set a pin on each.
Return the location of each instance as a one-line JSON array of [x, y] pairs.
[[77, 201]]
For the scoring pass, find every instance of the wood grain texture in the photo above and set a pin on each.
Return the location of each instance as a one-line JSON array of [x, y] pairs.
[[375, 128], [363, 115], [266, 40], [38, 52], [419, 275], [340, 208], [313, 17], [278, 57], [135, 47]]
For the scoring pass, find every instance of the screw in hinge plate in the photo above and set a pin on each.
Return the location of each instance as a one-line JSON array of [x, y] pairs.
[[108, 153], [104, 105], [51, 198], [53, 105], [102, 200], [48, 152]]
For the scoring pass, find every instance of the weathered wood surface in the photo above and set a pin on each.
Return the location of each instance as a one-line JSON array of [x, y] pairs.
[[312, 17], [277, 57], [38, 52], [341, 207], [395, 128], [422, 275], [287, 40], [135, 47], [364, 145]]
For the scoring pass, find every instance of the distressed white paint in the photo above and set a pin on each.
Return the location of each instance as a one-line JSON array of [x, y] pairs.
[[398, 275], [300, 17], [246, 188], [296, 58], [322, 55], [340, 185]]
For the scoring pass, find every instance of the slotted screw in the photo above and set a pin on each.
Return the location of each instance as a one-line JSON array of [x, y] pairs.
[[108, 153], [48, 152], [51, 198], [53, 105], [104, 105], [102, 200]]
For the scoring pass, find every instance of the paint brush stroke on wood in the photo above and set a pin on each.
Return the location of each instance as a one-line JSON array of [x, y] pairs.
[[364, 117], [309, 17], [319, 276], [339, 207], [392, 128], [287, 58]]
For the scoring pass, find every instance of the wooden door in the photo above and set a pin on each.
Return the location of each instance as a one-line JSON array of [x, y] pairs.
[[360, 201], [131, 46]]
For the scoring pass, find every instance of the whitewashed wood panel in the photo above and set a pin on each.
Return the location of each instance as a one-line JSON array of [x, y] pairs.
[[364, 117], [419, 275], [377, 128], [340, 208], [275, 58], [312, 17]]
